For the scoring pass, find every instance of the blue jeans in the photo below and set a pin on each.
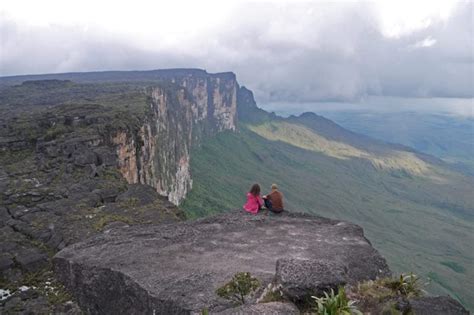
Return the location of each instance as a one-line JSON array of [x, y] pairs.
[[268, 203], [269, 206]]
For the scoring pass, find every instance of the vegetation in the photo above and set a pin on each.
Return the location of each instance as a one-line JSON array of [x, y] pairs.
[[241, 285], [448, 137], [381, 289], [454, 266], [303, 137], [383, 293], [272, 295], [46, 285], [335, 304], [405, 285]]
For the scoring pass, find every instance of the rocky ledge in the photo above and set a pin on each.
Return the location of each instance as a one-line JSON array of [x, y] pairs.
[[176, 268]]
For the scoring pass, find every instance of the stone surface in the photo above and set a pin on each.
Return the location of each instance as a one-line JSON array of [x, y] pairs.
[[271, 308], [31, 259], [437, 305], [139, 194], [176, 268], [302, 278]]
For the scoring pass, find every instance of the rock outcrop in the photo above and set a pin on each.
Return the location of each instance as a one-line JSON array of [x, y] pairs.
[[76, 158], [174, 110], [158, 154], [176, 268]]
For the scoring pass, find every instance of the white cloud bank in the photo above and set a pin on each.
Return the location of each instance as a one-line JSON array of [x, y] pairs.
[[294, 51]]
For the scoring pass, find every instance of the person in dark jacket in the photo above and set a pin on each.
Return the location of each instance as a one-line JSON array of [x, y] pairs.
[[274, 200]]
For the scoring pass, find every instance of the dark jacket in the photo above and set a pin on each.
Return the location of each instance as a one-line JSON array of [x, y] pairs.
[[276, 198]]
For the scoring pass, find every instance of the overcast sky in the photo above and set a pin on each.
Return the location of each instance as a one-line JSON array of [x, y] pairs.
[[285, 51]]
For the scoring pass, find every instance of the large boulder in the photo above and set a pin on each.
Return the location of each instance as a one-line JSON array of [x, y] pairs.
[[300, 279], [176, 268]]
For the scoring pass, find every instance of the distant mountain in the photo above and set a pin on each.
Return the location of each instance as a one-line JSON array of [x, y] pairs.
[[415, 208], [448, 137], [115, 76]]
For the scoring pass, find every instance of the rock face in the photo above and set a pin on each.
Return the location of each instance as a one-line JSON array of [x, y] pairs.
[[69, 152], [159, 153], [175, 109], [176, 268], [437, 305], [273, 308]]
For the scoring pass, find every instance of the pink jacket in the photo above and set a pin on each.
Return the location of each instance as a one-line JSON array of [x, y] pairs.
[[253, 204]]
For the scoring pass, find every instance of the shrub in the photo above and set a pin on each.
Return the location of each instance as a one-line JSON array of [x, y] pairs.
[[405, 285], [335, 304], [242, 284], [383, 293], [272, 296]]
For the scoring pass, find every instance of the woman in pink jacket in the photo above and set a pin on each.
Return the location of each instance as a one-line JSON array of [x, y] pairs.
[[254, 201]]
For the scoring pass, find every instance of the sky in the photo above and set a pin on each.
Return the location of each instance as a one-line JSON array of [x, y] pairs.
[[285, 51]]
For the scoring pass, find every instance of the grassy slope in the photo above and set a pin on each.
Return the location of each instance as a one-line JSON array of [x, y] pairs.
[[447, 137], [419, 222]]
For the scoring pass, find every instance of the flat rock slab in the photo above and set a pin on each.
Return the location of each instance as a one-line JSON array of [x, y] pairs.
[[271, 308], [176, 268]]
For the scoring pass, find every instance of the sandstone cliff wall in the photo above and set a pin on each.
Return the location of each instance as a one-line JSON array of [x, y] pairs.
[[182, 110]]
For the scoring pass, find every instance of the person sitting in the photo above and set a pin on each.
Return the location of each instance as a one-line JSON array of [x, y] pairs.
[[274, 200], [254, 201]]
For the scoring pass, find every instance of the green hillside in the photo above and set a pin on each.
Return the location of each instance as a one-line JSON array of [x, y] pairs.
[[416, 211], [448, 137]]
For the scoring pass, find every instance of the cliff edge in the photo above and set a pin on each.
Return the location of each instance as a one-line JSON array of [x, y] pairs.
[[176, 268]]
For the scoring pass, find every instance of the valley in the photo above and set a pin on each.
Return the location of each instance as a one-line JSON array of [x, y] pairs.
[[414, 208], [447, 136]]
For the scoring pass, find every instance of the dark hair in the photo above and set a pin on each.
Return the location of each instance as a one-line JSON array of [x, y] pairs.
[[255, 189]]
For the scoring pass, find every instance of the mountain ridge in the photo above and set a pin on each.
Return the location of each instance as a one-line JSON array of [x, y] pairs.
[[116, 76]]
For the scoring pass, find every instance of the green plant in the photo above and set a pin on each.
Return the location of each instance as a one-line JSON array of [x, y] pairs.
[[272, 296], [56, 131], [242, 284], [385, 292], [335, 304], [406, 285], [57, 295], [130, 202]]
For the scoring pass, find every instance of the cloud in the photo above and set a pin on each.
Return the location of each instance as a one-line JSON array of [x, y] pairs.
[[427, 42], [288, 51]]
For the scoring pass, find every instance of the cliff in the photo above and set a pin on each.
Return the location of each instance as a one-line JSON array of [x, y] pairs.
[[170, 111], [76, 158], [158, 154]]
